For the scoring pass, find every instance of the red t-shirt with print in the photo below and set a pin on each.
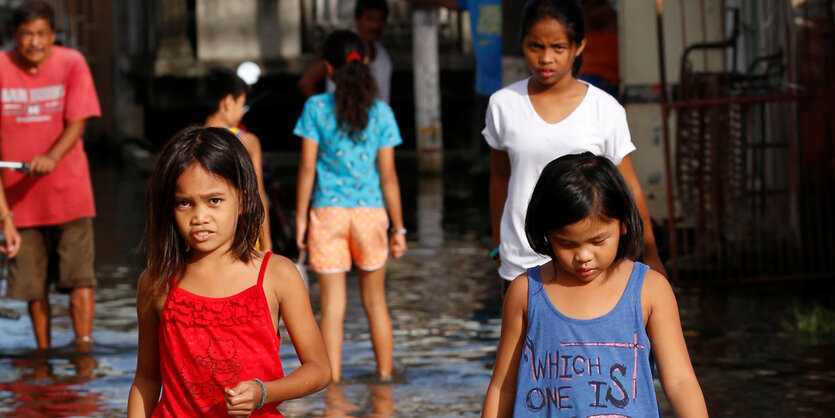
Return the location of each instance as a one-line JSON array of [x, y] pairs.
[[34, 109]]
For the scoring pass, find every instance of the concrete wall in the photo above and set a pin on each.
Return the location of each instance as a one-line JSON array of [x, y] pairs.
[[638, 40], [248, 30], [227, 30]]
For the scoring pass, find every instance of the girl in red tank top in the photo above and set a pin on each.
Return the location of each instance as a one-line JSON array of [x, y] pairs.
[[208, 304]]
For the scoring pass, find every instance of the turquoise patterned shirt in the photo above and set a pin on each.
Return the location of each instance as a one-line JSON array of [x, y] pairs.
[[346, 171]]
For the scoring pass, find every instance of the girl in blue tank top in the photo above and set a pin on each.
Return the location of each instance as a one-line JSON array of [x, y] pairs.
[[577, 331]]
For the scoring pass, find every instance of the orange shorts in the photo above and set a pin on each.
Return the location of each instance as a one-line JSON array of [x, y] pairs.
[[336, 236]]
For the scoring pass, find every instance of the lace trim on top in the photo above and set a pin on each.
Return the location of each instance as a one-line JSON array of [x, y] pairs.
[[193, 311]]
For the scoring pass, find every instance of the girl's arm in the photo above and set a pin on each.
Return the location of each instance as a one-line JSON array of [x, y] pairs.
[[304, 188], [651, 257], [253, 147], [391, 193], [144, 392], [501, 393], [499, 177], [283, 282], [312, 77], [664, 331]]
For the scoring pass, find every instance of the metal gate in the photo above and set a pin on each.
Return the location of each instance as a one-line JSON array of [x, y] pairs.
[[751, 155]]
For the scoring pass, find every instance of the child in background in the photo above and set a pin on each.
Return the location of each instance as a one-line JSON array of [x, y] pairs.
[[224, 93], [370, 23], [577, 331], [601, 66], [208, 304], [347, 180], [552, 113]]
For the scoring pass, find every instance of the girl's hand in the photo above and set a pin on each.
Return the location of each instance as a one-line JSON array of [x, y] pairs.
[[301, 233], [243, 398], [12, 238], [397, 245]]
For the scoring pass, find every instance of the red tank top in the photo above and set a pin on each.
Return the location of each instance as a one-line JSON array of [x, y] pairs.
[[208, 344]]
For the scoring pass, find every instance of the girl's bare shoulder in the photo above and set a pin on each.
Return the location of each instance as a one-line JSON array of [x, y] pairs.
[[146, 284], [145, 280], [520, 283], [281, 274], [656, 289], [149, 289], [250, 141], [516, 297]]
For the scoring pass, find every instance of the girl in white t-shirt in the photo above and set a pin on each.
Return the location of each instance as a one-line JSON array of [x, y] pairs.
[[536, 120]]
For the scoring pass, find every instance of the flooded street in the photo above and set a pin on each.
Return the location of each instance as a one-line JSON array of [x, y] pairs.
[[746, 340]]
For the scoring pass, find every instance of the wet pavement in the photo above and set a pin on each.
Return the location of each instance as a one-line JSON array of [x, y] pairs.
[[748, 353]]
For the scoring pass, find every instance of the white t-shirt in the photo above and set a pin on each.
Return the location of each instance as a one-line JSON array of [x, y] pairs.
[[598, 125], [380, 69]]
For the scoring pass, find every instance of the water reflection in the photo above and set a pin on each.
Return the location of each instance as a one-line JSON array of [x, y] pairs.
[[430, 209], [50, 384], [748, 360], [379, 401]]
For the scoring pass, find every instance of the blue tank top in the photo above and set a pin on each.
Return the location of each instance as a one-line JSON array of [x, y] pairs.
[[586, 367]]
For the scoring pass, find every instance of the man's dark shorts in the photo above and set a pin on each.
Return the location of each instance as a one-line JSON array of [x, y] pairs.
[[70, 245]]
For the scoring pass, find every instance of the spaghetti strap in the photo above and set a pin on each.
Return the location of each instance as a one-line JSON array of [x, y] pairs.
[[264, 267]]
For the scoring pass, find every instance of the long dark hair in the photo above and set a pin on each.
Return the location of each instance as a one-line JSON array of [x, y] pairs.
[[578, 186], [567, 12], [355, 86], [219, 152]]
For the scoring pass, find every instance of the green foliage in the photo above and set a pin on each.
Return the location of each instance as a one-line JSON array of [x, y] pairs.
[[813, 320]]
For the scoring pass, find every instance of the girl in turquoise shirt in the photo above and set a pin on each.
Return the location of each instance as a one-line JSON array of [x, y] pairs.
[[348, 195]]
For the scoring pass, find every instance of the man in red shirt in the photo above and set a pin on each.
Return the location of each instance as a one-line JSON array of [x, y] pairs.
[[46, 95]]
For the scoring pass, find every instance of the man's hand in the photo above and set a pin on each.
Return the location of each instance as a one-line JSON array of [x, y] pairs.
[[12, 239], [43, 164]]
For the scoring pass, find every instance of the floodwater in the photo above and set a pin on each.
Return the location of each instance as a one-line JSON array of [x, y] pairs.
[[445, 308]]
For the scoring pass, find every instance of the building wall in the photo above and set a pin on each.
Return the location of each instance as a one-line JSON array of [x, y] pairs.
[[92, 29]]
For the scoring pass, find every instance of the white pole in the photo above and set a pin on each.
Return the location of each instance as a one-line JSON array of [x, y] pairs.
[[290, 22], [427, 89]]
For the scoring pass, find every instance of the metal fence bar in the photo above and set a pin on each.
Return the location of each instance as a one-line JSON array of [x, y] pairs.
[[665, 121], [703, 18], [767, 218]]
